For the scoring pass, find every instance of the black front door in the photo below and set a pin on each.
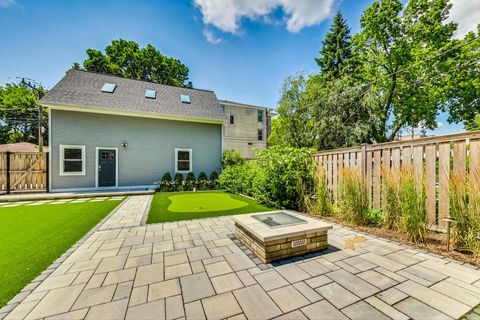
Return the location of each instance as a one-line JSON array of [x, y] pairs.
[[106, 167]]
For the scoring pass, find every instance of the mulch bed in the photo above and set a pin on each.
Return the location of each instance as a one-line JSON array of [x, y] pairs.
[[435, 242]]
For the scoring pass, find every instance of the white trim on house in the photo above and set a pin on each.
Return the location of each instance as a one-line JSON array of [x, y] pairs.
[[139, 114], [96, 167], [143, 187], [62, 147], [176, 160]]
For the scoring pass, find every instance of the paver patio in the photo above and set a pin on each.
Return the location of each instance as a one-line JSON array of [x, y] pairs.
[[196, 270]]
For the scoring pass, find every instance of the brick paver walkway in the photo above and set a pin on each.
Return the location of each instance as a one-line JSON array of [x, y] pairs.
[[197, 270], [130, 214]]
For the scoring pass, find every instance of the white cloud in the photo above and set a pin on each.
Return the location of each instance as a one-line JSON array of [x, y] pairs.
[[466, 13], [7, 3], [211, 37], [227, 15], [306, 13]]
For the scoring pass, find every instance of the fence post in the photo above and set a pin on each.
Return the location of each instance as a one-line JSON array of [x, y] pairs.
[[363, 161], [8, 171], [47, 172]]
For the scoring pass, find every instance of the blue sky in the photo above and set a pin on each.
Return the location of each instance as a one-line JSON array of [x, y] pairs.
[[241, 49]]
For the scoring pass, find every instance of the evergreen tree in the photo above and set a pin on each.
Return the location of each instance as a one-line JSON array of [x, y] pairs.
[[336, 48]]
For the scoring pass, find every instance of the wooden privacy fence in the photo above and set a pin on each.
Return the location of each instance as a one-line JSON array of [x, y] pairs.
[[432, 160], [23, 172]]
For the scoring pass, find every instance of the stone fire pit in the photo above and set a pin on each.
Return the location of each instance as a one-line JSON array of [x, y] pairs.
[[281, 234]]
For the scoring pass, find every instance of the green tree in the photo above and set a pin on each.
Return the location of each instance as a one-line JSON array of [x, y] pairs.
[[403, 61], [277, 132], [19, 114], [126, 58], [294, 115], [322, 112], [340, 110], [407, 69], [463, 89], [473, 125], [336, 52]]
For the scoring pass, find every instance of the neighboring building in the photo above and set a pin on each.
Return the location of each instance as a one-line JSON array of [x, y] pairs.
[[110, 132], [246, 127], [20, 147]]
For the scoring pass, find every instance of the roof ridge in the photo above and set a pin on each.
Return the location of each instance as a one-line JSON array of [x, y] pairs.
[[146, 81]]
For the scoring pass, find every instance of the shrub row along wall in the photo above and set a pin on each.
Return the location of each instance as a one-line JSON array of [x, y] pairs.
[[432, 159]]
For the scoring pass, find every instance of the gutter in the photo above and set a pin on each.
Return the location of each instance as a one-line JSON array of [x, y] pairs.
[[127, 113]]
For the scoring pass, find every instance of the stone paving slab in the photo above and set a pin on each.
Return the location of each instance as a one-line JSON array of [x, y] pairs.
[[197, 270]]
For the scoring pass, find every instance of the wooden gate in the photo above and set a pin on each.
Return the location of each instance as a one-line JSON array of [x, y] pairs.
[[23, 172]]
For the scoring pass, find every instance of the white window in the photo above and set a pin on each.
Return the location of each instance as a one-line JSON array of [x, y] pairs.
[[183, 160], [72, 160]]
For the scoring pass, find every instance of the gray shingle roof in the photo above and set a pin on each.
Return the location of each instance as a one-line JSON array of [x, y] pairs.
[[83, 88]]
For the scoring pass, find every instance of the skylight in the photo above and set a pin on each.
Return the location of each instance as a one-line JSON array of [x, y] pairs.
[[151, 94], [185, 98], [109, 87]]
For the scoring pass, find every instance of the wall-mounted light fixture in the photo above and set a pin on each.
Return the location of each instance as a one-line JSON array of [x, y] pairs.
[[124, 144]]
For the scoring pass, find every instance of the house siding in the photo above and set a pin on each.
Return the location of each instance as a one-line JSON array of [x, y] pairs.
[[150, 151], [242, 136]]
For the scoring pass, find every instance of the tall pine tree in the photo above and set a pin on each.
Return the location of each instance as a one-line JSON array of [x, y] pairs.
[[336, 48]]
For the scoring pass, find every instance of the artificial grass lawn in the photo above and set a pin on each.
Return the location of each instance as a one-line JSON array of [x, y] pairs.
[[195, 205], [33, 237]]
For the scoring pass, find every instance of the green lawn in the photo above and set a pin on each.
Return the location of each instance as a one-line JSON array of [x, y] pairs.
[[33, 237], [194, 205]]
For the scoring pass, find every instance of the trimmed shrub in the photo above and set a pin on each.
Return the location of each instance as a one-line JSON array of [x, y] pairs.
[[202, 181], [165, 183], [274, 177], [375, 216], [413, 220], [213, 180], [190, 181], [277, 173], [232, 158], [230, 178], [179, 183], [353, 199]]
